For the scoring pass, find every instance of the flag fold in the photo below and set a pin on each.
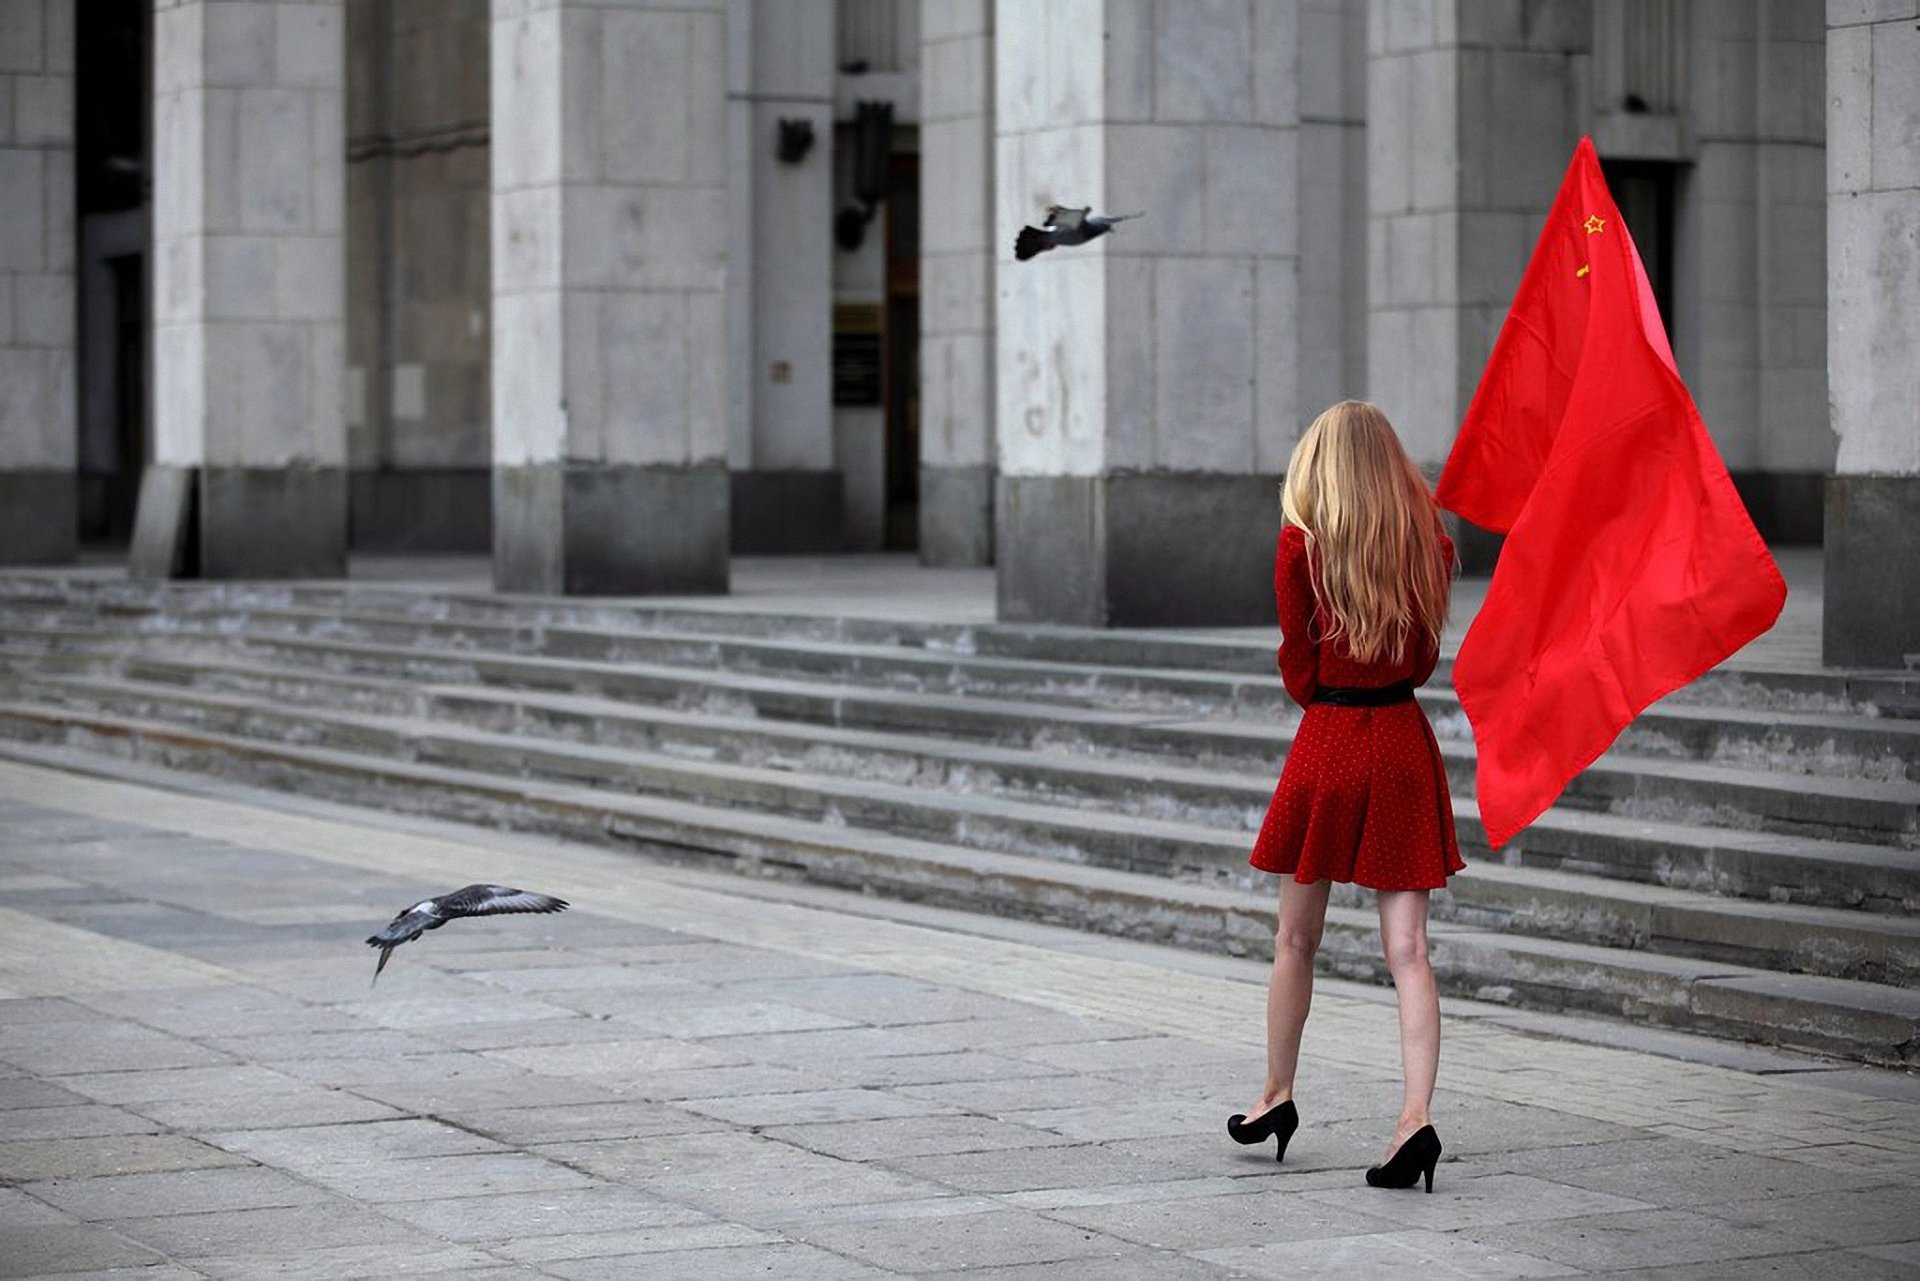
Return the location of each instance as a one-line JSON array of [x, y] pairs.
[[1630, 564]]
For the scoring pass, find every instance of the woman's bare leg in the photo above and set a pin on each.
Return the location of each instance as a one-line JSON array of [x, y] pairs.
[[1403, 937], [1303, 914]]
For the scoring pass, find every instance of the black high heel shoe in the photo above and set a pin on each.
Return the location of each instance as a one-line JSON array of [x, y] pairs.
[[1417, 1156], [1280, 1121]]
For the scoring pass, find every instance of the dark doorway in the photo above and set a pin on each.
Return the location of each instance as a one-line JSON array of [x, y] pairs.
[[112, 191], [1644, 191], [902, 355]]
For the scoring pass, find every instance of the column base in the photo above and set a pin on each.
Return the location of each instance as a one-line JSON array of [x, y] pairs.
[[39, 517], [441, 509], [241, 522], [788, 513], [1870, 615], [1136, 549], [603, 530], [956, 517], [1788, 508]]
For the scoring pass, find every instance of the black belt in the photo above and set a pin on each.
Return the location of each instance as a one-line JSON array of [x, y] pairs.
[[1355, 696]]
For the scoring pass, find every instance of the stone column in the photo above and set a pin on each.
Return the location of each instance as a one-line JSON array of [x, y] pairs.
[[786, 490], [249, 275], [1471, 119], [1147, 384], [609, 271], [38, 402], [957, 253], [1872, 614]]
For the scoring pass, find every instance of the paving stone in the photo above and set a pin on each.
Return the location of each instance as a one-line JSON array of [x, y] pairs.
[[383, 1181], [1026, 1169], [579, 1122], [268, 1232], [311, 1147], [1706, 1180], [1827, 1265], [578, 1029], [820, 1105], [385, 1259], [885, 1138], [34, 1160], [1383, 1254], [1126, 1119], [66, 1249], [882, 1000], [313, 1105], [426, 1067], [97, 1045], [1857, 1216], [788, 1261], [18, 1210], [944, 1068], [1118, 1261], [1638, 1239], [135, 1196], [985, 1239], [27, 1092], [528, 1216], [681, 1239], [1249, 1216], [633, 1058], [1479, 1201], [226, 1081], [484, 1090], [449, 1011], [717, 1082], [81, 1121]]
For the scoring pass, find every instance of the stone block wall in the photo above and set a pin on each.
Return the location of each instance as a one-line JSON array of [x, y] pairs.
[[38, 420]]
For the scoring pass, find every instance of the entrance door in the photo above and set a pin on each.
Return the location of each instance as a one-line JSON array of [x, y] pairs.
[[902, 354]]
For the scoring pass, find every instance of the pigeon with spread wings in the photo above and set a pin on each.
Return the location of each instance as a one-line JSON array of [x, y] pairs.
[[1065, 227], [474, 900]]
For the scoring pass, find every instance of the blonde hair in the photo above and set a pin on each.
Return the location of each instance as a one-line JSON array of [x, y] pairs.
[[1375, 530]]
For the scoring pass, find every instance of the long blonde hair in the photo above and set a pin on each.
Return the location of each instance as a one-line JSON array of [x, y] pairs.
[[1374, 529]]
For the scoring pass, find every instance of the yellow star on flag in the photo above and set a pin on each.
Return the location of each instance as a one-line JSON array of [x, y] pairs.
[[1595, 224]]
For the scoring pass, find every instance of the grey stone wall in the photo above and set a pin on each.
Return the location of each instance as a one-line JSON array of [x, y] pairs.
[[249, 278], [38, 419], [1872, 614]]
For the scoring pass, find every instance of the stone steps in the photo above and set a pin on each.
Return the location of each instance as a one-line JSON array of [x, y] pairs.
[[1138, 819], [1825, 806], [1867, 1021], [1730, 844]]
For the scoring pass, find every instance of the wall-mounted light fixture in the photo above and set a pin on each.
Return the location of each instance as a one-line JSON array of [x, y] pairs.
[[872, 148], [795, 140]]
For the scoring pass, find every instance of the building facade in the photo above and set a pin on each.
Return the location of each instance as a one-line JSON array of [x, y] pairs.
[[615, 290]]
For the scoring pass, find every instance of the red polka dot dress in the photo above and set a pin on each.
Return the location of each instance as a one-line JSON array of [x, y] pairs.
[[1363, 794]]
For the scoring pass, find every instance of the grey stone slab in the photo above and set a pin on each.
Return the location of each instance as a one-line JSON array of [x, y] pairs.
[[580, 1122], [785, 1260], [679, 1239], [18, 1210], [82, 1121], [634, 1057], [946, 1067], [312, 1106], [436, 1012], [283, 1258], [226, 1081], [710, 1083], [1118, 1261], [1126, 1118], [57, 1049], [1638, 1239], [485, 1091], [1827, 1265], [137, 1196], [1050, 1088], [305, 1047], [745, 1018], [1245, 1217], [885, 1138], [526, 1216], [301, 1148], [880, 999], [1023, 1170], [1420, 1254], [267, 1232], [28, 1092], [580, 1029], [983, 1239], [272, 522], [33, 1160], [401, 1073], [383, 1181], [560, 978], [50, 1249], [1704, 1179], [820, 1105], [1852, 1217], [1480, 1201]]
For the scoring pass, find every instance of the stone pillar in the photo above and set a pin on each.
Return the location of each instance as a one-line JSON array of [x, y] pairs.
[[1471, 119], [957, 254], [786, 491], [38, 401], [249, 274], [1872, 605], [609, 274], [1147, 384]]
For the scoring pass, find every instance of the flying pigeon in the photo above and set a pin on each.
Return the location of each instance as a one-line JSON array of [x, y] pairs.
[[1065, 227], [474, 900]]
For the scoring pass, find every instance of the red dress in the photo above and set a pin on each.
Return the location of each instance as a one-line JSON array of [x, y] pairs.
[[1363, 794]]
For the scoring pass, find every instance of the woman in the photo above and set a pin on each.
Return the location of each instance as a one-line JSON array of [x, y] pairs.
[[1362, 578]]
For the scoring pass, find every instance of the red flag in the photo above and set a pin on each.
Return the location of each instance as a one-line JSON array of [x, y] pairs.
[[1630, 565]]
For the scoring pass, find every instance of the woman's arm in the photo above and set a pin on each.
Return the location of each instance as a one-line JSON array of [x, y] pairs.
[[1428, 656], [1299, 656]]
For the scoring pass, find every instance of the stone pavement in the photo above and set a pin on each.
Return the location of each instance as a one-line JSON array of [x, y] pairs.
[[696, 1075]]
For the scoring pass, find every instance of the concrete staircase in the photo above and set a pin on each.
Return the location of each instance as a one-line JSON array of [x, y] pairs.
[[1746, 861]]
